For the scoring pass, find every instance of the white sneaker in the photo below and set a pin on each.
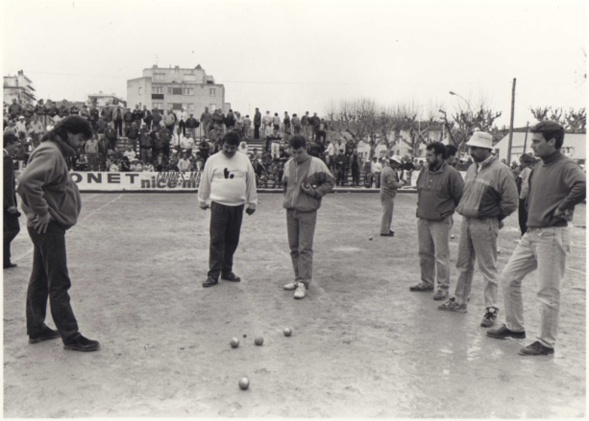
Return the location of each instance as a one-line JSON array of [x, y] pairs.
[[291, 286], [301, 291]]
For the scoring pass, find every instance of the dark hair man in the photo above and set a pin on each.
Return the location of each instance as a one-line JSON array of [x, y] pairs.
[[439, 190], [11, 226], [228, 182], [556, 185], [51, 202], [306, 180]]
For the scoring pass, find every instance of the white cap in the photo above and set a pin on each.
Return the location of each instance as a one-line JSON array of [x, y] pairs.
[[481, 140], [397, 159]]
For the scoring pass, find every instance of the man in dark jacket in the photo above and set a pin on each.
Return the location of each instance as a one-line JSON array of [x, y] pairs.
[[51, 202], [11, 214]]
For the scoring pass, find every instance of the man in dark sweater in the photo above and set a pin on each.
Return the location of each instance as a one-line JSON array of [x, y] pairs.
[[557, 184], [439, 190], [11, 225]]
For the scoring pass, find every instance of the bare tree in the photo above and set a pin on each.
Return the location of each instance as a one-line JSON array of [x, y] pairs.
[[572, 120]]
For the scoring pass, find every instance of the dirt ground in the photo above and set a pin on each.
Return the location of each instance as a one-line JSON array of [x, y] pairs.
[[362, 344]]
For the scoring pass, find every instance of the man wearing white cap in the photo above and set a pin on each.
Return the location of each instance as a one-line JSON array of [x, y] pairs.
[[389, 183], [490, 195]]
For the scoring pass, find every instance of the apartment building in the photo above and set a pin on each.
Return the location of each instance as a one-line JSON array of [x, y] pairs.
[[19, 87], [176, 88]]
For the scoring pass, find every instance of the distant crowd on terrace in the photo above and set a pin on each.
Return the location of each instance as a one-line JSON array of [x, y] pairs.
[[175, 140]]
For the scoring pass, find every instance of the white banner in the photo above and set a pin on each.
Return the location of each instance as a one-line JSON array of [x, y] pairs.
[[136, 181]]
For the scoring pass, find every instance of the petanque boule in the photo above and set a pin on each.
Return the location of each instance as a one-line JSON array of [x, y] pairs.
[[234, 342], [287, 331], [370, 238], [259, 341], [244, 383]]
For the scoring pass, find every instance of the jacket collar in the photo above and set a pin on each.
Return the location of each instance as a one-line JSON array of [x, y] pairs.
[[65, 149], [551, 158]]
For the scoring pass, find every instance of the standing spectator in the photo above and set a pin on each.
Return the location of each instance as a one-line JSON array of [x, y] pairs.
[[247, 126], [305, 181], [145, 145], [170, 121], [228, 182], [439, 190], [91, 150], [11, 226], [41, 111], [340, 163], [230, 120], [15, 109], [205, 119], [389, 183], [192, 124], [490, 195], [321, 131], [451, 158], [93, 118], [51, 202], [137, 116], [330, 155], [375, 170], [556, 185], [132, 133], [257, 123], [118, 120], [128, 118], [306, 125], [147, 117], [286, 122], [355, 167], [37, 128], [296, 124], [523, 187], [156, 119], [267, 123], [182, 122], [408, 168], [111, 136]]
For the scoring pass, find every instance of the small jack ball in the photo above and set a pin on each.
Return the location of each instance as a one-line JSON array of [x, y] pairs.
[[287, 331], [244, 383]]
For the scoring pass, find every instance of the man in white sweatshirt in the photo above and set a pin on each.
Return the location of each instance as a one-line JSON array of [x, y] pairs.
[[227, 184]]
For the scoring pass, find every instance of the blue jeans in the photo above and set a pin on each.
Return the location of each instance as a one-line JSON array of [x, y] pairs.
[[544, 249], [224, 231], [50, 279], [434, 251], [478, 241], [301, 230]]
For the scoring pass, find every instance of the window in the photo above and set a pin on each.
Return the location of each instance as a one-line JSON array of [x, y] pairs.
[[158, 90], [211, 91], [157, 96], [159, 76], [158, 105], [140, 90], [176, 91], [188, 91]]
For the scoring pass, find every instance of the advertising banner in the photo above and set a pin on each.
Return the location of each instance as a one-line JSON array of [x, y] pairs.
[[136, 181]]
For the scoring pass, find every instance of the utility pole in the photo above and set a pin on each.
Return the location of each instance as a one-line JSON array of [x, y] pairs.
[[511, 123], [526, 138]]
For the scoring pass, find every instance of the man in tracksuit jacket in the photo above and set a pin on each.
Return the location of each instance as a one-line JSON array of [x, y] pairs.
[[306, 180], [51, 202], [490, 195], [556, 185]]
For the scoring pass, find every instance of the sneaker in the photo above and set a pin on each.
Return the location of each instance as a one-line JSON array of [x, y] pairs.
[[231, 277], [291, 287], [452, 305], [301, 291], [210, 282], [82, 344], [489, 317], [440, 295], [421, 287], [502, 332], [389, 234], [536, 349], [46, 335]]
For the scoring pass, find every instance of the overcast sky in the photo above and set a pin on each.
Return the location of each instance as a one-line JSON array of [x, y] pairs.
[[289, 55]]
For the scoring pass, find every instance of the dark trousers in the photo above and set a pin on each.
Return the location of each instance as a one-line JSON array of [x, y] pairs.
[[50, 279], [119, 127], [224, 232], [182, 127], [256, 131], [522, 216], [11, 230]]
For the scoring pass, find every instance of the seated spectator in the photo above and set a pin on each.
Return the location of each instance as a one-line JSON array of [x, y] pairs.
[[184, 163], [130, 154]]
